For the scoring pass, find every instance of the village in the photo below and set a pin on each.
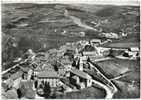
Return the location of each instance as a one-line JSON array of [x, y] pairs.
[[72, 67]]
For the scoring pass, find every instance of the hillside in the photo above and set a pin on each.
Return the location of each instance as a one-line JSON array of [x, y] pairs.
[[45, 26]]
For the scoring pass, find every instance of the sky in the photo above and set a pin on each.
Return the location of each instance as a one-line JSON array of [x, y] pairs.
[[114, 2]]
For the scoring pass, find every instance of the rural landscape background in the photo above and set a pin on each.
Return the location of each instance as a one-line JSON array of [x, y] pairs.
[[42, 27]]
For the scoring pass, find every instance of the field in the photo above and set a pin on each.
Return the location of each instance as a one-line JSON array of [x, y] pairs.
[[88, 93], [125, 43], [128, 84], [42, 25]]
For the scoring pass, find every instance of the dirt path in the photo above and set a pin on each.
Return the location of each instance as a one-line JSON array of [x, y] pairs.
[[78, 21], [110, 88]]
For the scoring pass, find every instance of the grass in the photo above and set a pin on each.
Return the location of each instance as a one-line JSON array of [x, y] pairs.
[[124, 43], [126, 90], [87, 93], [113, 68], [87, 13]]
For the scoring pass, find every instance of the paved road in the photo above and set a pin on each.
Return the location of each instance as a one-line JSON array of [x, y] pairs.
[[110, 89], [109, 93]]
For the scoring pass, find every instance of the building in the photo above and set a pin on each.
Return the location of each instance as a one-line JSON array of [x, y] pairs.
[[61, 70], [43, 67], [48, 76], [89, 50], [134, 49], [110, 35], [82, 61], [133, 52], [89, 53], [95, 42], [80, 78]]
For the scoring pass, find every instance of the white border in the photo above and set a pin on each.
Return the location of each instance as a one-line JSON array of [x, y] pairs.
[[102, 2], [111, 2]]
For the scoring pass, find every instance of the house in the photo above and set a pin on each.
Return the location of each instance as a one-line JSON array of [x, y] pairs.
[[48, 76], [134, 49], [13, 80], [110, 35], [61, 70], [42, 67], [95, 42], [91, 51], [81, 62], [80, 78], [31, 54], [133, 52]]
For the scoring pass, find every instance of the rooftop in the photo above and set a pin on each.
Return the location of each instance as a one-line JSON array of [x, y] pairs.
[[16, 75], [80, 74], [134, 49], [43, 67], [48, 74], [88, 48]]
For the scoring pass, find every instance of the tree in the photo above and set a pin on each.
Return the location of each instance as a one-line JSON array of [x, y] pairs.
[[62, 89], [41, 86], [19, 93], [74, 63], [30, 94], [88, 60], [111, 53], [47, 90], [12, 94], [32, 77], [43, 83], [53, 96], [36, 84], [55, 66]]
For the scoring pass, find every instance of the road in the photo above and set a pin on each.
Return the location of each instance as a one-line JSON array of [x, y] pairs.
[[109, 93], [109, 87]]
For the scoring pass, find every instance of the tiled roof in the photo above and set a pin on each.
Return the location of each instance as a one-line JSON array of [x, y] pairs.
[[43, 67], [80, 74], [16, 75], [25, 69], [48, 74]]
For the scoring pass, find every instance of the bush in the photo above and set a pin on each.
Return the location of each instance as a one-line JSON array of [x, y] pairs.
[[30, 94]]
